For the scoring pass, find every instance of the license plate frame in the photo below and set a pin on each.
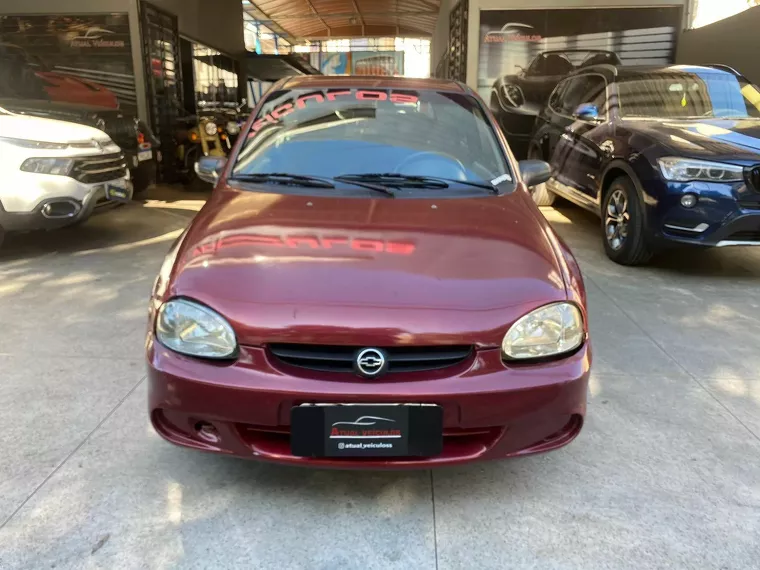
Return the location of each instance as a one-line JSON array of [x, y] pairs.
[[366, 430], [118, 192]]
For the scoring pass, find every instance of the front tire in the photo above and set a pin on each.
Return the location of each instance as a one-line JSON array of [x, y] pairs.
[[542, 196], [623, 224]]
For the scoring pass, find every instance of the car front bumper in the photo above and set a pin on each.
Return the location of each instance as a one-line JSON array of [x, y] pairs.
[[28, 207], [725, 215], [501, 413]]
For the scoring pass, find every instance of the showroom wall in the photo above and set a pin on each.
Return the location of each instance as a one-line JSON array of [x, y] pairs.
[[474, 36], [731, 41], [214, 23]]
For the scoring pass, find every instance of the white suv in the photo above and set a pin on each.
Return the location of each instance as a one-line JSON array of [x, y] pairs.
[[52, 173]]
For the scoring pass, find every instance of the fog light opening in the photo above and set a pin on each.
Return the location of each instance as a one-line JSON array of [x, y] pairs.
[[689, 200], [207, 432]]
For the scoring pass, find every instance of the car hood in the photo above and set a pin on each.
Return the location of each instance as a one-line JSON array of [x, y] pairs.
[[59, 110], [730, 139], [288, 268], [60, 79], [47, 130]]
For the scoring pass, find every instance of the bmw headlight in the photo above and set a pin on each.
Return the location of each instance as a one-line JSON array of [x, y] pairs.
[[513, 94], [56, 166], [210, 128], [193, 329], [690, 169], [548, 331], [233, 128]]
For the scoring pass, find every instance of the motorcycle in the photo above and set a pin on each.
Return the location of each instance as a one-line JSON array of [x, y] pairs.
[[212, 132]]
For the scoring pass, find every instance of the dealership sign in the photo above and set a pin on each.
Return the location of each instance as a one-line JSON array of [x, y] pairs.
[[96, 37]]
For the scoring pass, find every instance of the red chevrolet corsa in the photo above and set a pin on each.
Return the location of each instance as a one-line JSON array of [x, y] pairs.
[[369, 285]]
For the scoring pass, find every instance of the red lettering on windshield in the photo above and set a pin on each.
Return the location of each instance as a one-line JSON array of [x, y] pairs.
[[282, 110], [301, 101], [331, 95], [371, 95], [404, 98], [361, 95]]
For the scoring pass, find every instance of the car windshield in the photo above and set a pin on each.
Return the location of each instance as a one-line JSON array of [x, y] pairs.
[[688, 95], [564, 62], [339, 132]]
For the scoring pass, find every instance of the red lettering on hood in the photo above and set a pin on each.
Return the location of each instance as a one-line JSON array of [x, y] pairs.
[[306, 241]]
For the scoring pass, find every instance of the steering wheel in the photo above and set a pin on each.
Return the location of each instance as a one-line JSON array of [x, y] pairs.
[[454, 165]]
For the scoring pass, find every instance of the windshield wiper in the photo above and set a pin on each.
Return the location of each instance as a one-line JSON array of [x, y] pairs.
[[414, 181], [286, 179], [306, 181]]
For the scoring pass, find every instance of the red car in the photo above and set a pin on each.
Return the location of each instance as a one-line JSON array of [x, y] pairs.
[[58, 86], [369, 285]]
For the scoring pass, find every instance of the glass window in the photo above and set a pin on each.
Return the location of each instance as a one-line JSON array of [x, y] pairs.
[[216, 78], [347, 131], [680, 94], [555, 100], [583, 89]]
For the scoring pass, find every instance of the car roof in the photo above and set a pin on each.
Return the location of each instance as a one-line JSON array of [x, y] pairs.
[[631, 71], [372, 82]]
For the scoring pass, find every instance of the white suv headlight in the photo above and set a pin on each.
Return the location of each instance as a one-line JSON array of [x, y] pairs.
[[56, 166], [193, 329], [547, 331]]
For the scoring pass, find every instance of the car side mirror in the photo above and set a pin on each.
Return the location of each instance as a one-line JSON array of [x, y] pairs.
[[209, 168], [534, 172], [586, 112]]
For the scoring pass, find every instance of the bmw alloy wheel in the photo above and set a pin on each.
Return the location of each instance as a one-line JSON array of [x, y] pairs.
[[616, 219]]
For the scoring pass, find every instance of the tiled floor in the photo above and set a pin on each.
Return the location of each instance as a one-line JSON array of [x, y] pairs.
[[666, 473]]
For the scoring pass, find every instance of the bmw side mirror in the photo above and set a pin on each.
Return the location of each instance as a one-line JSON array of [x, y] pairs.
[[534, 172], [209, 168], [586, 112]]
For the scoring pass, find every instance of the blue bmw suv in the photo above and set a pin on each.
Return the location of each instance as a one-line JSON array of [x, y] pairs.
[[664, 155]]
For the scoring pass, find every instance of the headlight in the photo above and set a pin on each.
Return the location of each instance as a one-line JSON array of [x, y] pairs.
[[196, 330], [513, 94], [57, 166], [210, 128], [233, 128], [24, 143], [688, 169], [547, 331]]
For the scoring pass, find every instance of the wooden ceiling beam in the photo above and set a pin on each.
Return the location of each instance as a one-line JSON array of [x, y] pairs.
[[358, 13], [325, 24]]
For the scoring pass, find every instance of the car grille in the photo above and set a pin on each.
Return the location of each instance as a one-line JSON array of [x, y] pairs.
[[329, 358], [95, 169], [747, 235], [122, 131]]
